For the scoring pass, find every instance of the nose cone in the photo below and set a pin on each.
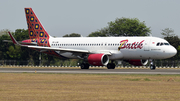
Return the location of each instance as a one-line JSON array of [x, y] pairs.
[[172, 51]]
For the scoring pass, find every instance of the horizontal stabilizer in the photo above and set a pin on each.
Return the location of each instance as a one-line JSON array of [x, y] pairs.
[[32, 43]]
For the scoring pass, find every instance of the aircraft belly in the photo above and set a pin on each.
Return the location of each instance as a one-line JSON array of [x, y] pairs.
[[137, 54], [157, 54], [116, 55], [67, 54]]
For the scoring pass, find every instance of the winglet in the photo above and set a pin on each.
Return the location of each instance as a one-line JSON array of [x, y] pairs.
[[13, 39]]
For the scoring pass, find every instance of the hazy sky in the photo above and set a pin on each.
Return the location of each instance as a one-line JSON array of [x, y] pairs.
[[60, 17]]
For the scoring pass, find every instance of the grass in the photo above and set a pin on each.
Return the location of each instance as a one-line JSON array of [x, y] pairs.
[[67, 87], [147, 79]]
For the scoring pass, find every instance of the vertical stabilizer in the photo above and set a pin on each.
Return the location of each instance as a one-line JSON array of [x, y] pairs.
[[35, 28]]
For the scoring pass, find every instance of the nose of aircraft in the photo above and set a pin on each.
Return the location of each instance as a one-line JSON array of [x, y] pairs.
[[172, 51]]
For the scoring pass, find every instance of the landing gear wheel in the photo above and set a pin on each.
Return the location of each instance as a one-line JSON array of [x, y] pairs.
[[84, 66], [152, 67], [110, 65]]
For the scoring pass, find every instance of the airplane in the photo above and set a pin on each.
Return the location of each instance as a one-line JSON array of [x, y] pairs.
[[96, 51]]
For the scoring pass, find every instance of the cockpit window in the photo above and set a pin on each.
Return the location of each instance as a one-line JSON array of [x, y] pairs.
[[166, 43], [158, 44], [162, 44]]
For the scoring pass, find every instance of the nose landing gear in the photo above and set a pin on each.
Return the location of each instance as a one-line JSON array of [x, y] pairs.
[[152, 66]]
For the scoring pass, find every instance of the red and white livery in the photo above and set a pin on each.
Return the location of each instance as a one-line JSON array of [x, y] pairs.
[[97, 51]]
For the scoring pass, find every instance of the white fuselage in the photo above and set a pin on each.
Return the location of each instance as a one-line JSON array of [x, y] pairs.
[[119, 47]]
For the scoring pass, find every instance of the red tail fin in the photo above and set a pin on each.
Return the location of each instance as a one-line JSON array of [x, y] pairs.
[[35, 28]]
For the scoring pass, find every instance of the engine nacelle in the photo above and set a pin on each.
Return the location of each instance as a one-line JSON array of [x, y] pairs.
[[138, 62], [98, 59]]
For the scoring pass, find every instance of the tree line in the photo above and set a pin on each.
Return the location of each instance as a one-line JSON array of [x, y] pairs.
[[119, 27]]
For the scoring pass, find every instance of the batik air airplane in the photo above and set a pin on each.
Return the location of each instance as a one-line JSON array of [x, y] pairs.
[[96, 51]]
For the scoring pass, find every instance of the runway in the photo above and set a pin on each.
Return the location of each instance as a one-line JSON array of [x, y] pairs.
[[90, 71]]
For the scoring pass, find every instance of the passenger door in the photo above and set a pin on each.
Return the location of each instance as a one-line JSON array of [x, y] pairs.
[[146, 45]]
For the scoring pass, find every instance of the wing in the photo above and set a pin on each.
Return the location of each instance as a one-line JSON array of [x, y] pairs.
[[58, 49]]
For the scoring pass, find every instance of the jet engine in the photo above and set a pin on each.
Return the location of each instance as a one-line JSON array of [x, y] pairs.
[[138, 62], [98, 59]]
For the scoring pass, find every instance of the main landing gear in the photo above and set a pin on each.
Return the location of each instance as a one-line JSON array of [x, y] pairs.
[[111, 65], [84, 66], [152, 65]]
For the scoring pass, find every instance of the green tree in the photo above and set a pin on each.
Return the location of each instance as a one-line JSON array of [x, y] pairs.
[[4, 32], [14, 52], [4, 46], [167, 32], [178, 53], [126, 27], [21, 34], [97, 34], [72, 35], [9, 51]]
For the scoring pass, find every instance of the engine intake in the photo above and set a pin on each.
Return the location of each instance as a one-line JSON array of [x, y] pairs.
[[98, 59]]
